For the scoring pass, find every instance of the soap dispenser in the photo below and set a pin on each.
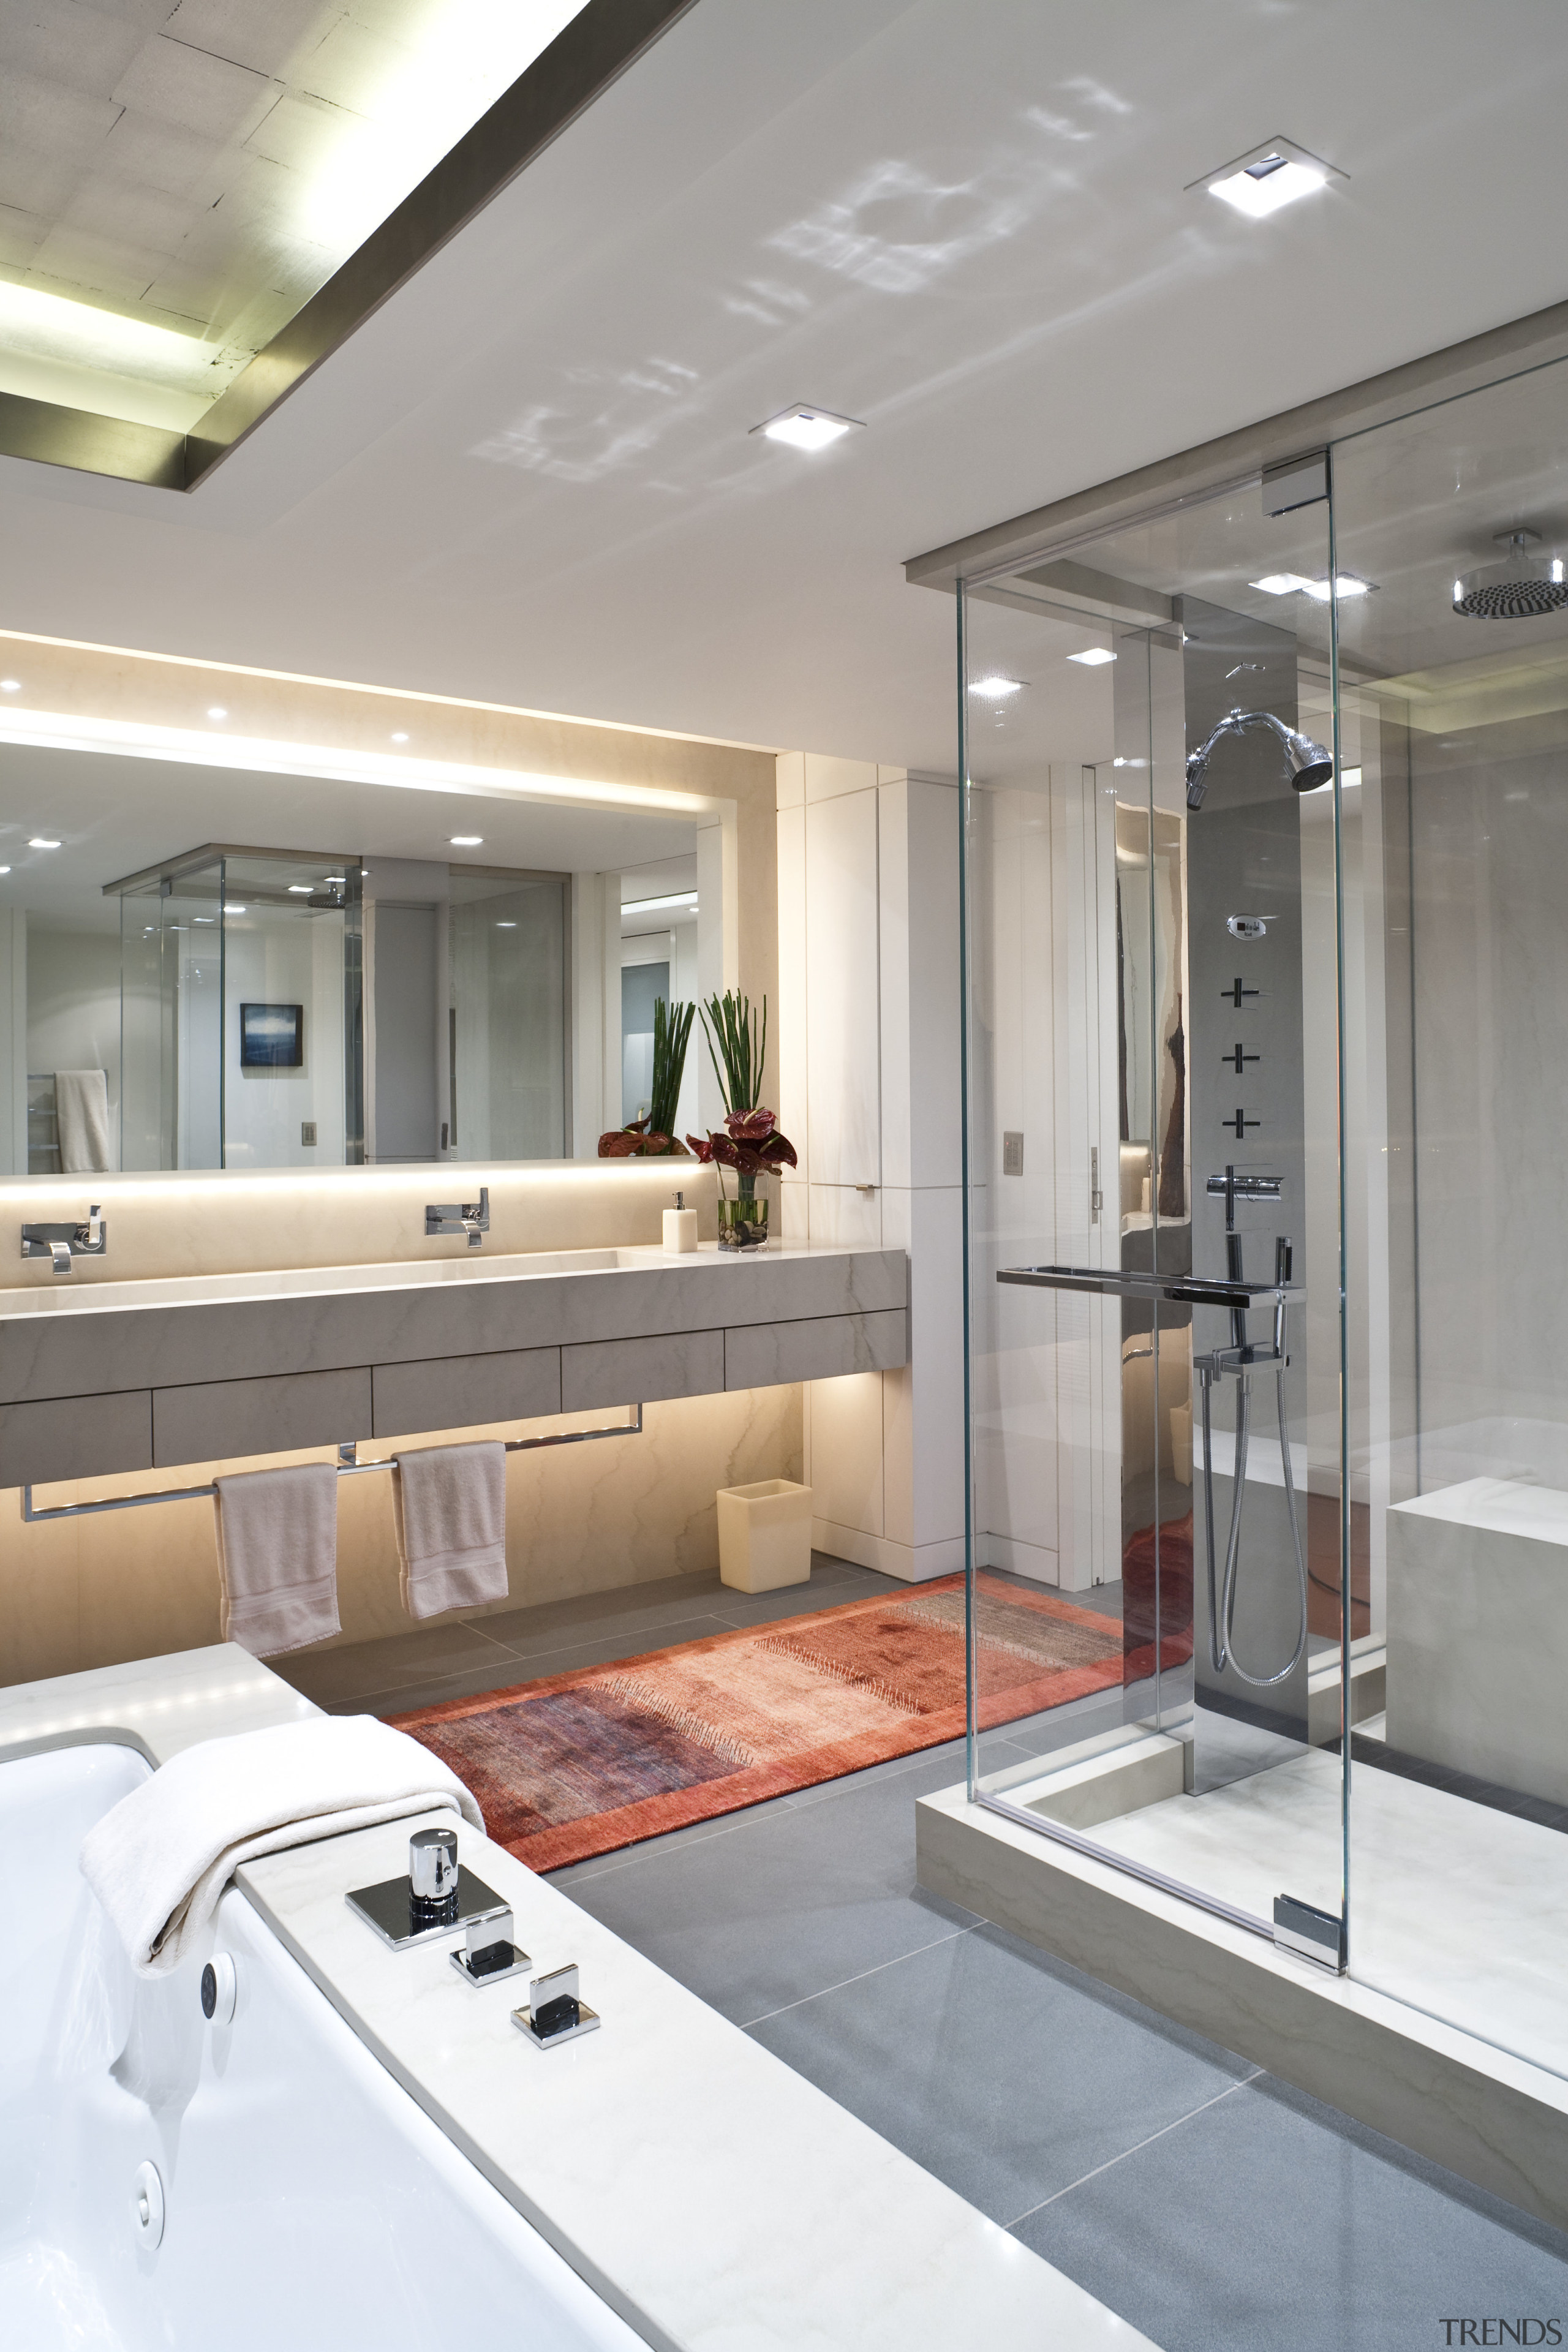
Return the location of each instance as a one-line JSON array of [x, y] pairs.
[[681, 1226]]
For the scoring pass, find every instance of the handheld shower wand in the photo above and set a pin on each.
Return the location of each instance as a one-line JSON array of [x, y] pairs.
[[1239, 1361]]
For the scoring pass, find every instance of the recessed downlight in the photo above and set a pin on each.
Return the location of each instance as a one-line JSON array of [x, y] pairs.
[[10, 686], [4, 869], [299, 889], [400, 737], [506, 927], [1093, 656], [1343, 584], [467, 841], [804, 427], [42, 841], [217, 711], [997, 687], [230, 909], [1268, 178]]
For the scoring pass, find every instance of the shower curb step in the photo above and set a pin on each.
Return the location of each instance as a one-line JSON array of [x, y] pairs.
[[1495, 2119]]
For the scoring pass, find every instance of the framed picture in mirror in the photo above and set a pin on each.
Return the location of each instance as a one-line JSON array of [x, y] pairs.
[[271, 1036]]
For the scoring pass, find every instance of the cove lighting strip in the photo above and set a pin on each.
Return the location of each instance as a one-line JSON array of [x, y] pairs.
[[54, 730]]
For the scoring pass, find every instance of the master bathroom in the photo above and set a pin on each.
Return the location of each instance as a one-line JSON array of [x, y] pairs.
[[783, 1473]]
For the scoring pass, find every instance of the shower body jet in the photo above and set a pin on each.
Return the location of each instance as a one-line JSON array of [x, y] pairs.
[[1307, 764]]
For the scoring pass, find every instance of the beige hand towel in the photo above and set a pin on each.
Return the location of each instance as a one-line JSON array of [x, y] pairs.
[[449, 1503], [81, 1115], [278, 1557], [159, 1859]]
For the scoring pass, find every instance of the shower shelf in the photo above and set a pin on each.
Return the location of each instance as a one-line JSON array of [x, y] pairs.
[[1187, 1289]]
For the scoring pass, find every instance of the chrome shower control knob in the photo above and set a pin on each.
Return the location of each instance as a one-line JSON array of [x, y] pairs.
[[433, 1869], [218, 1988]]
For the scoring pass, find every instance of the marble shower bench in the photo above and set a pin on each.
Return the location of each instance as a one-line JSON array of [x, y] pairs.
[[99, 1376]]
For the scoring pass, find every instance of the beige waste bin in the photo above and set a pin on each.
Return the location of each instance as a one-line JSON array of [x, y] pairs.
[[764, 1535]]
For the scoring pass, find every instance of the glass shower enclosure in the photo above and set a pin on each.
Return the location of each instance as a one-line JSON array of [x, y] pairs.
[[1265, 837]]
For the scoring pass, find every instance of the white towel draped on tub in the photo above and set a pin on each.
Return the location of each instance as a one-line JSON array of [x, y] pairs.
[[82, 1118], [450, 1503], [278, 1557], [159, 1859]]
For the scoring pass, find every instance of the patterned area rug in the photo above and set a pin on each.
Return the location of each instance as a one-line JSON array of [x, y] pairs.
[[578, 1764]]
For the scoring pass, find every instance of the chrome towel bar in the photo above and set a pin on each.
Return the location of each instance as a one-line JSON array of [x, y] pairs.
[[1113, 1282]]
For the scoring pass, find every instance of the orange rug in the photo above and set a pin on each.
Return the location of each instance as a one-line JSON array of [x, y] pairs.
[[580, 1763]]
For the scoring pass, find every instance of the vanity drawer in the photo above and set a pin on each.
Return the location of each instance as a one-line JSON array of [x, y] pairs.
[[75, 1437], [223, 1421], [466, 1391], [638, 1371], [822, 1348]]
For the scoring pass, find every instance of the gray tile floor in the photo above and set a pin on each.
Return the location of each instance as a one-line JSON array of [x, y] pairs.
[[1210, 2205]]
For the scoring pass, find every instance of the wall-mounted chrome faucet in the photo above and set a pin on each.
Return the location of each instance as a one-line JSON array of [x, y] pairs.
[[60, 1243], [471, 1217]]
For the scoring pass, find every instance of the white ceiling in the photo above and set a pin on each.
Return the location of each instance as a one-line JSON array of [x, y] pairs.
[[529, 477], [201, 166], [114, 815]]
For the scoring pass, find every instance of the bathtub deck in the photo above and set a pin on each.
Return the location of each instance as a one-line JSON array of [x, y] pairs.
[[710, 2194]]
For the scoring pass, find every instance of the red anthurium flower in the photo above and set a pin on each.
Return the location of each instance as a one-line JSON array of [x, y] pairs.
[[750, 1142]]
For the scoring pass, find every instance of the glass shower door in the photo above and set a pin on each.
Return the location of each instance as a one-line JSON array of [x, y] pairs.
[[1454, 662], [1153, 1205]]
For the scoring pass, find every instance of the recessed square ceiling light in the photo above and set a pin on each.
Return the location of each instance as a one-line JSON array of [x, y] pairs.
[[1345, 582], [41, 841], [1092, 658], [229, 909], [467, 840], [1268, 178], [808, 428], [997, 688], [299, 889], [1282, 583]]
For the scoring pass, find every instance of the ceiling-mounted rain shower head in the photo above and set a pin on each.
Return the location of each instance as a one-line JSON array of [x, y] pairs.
[[1307, 764], [1523, 589]]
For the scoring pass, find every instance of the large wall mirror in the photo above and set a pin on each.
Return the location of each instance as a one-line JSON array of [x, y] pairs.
[[205, 968]]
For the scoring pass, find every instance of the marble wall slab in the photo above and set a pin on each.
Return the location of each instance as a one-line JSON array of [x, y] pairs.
[[221, 1222]]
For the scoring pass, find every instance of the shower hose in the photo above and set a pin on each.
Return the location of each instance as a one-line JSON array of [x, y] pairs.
[[1222, 1603]]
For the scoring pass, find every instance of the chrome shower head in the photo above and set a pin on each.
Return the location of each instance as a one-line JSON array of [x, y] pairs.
[[1523, 589], [1307, 764]]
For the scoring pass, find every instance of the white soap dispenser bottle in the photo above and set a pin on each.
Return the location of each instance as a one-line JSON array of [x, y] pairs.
[[681, 1226]]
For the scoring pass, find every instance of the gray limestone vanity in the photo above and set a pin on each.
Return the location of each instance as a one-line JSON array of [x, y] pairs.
[[104, 1377]]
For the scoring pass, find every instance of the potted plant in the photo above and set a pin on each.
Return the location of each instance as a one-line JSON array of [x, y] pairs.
[[748, 1141], [654, 1138]]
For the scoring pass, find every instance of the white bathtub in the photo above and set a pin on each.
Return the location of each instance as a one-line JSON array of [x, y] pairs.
[[309, 2202]]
